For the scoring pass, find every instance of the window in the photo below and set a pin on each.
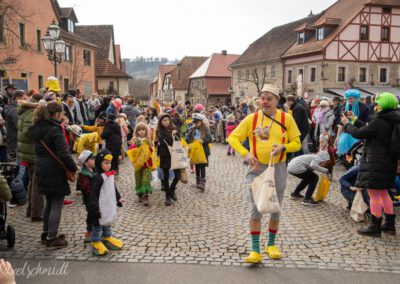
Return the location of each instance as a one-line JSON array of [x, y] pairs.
[[112, 84], [39, 40], [364, 33], [264, 73], [301, 38], [320, 33], [383, 75], [387, 10], [71, 26], [87, 57], [341, 74], [22, 42], [289, 76], [40, 81], [240, 76], [247, 74], [66, 85], [385, 34], [1, 28], [24, 75], [362, 75], [68, 53], [273, 71], [301, 72], [313, 74]]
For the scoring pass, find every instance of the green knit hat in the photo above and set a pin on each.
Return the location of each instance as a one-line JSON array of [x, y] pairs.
[[387, 101]]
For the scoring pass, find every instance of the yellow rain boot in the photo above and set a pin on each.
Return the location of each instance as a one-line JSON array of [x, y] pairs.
[[273, 252], [113, 243], [254, 257], [99, 249]]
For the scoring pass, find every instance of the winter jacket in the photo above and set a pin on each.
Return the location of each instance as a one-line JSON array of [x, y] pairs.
[[311, 162], [377, 166], [49, 173], [95, 128], [112, 135], [87, 141], [132, 112], [326, 124], [85, 180], [11, 118], [162, 138], [81, 111], [363, 112], [299, 114], [70, 114], [26, 151], [230, 126], [96, 187]]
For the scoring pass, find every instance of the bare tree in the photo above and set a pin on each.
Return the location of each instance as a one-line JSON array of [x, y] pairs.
[[257, 79], [76, 69]]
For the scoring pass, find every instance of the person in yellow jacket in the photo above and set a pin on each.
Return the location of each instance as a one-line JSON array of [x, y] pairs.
[[272, 133], [97, 127], [87, 141]]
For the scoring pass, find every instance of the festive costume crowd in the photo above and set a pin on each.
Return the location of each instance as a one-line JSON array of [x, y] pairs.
[[63, 141]]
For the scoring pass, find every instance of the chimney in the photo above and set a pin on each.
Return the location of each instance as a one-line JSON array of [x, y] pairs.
[[224, 52], [311, 14]]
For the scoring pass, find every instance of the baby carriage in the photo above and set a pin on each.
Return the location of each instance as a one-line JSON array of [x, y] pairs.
[[7, 232], [354, 155]]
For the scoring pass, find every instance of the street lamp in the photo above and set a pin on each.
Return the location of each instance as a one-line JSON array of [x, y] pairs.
[[54, 45]]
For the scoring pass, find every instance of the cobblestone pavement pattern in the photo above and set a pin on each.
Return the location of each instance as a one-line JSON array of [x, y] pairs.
[[211, 228]]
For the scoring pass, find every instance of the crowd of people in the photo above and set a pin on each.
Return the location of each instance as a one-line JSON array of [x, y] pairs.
[[60, 140]]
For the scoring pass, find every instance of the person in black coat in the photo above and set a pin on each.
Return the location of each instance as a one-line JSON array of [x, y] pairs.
[[49, 173], [378, 164], [165, 137], [69, 109], [113, 139], [299, 114]]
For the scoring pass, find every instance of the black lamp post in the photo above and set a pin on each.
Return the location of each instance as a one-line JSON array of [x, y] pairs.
[[54, 45]]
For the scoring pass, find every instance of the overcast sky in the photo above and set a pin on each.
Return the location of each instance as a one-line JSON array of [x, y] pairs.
[[175, 28]]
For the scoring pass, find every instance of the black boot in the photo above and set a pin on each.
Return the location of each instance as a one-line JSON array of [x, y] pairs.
[[173, 195], [389, 225], [168, 199], [374, 229], [198, 182]]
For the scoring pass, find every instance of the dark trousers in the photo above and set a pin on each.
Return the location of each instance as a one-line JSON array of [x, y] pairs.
[[165, 181], [200, 171], [308, 178], [115, 162], [85, 198], [35, 200], [52, 215], [349, 195]]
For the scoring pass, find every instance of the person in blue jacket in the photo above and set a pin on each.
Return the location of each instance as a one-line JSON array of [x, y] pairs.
[[347, 186]]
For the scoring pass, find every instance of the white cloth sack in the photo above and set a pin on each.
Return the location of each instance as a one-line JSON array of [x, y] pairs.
[[179, 158], [358, 208], [264, 191]]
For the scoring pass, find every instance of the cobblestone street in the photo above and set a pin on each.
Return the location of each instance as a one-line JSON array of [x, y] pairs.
[[211, 228]]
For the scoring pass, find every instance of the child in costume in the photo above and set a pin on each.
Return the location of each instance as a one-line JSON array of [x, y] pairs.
[[97, 127], [87, 141], [86, 161], [231, 124], [104, 199], [140, 153]]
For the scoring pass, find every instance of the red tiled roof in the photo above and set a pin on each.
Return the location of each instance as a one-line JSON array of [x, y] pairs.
[[165, 68], [74, 37], [274, 43], [340, 13], [217, 65], [105, 68], [181, 72], [100, 35], [394, 3]]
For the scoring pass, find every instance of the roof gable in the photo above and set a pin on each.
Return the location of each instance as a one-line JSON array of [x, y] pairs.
[[217, 65], [100, 35], [69, 12], [181, 72]]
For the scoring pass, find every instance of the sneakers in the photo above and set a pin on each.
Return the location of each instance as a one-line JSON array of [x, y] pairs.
[[43, 238], [68, 202], [99, 249], [309, 202], [12, 204], [253, 257], [88, 237], [112, 243], [168, 202], [295, 195], [273, 252], [58, 242]]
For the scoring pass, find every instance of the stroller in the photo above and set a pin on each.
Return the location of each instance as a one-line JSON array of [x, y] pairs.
[[7, 232], [353, 157]]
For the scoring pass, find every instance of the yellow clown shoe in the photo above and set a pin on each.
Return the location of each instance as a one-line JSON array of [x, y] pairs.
[[273, 252], [113, 243], [253, 257], [99, 249]]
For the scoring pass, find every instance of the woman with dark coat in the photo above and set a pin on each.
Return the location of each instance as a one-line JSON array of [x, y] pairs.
[[165, 137], [378, 164], [113, 139], [49, 173]]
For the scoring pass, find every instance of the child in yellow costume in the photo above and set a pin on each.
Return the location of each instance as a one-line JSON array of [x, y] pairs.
[[87, 141], [140, 153], [97, 127]]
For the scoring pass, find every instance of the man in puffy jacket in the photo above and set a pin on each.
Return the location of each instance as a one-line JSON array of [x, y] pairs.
[[26, 155], [11, 118]]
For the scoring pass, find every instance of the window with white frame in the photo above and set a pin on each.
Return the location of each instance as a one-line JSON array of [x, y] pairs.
[[313, 74], [71, 26], [290, 76], [341, 74], [383, 75], [301, 38], [362, 75], [273, 71], [320, 33], [300, 71]]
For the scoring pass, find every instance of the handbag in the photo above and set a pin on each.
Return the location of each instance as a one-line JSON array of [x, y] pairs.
[[183, 177], [196, 153], [264, 191], [358, 208], [71, 176], [179, 159], [323, 189]]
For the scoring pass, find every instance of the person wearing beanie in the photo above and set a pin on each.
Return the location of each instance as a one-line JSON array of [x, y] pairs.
[[378, 164], [231, 124], [112, 138], [303, 167], [104, 199]]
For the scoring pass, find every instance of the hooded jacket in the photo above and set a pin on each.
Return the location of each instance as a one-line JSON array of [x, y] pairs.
[[25, 149], [49, 173], [112, 135], [11, 118], [378, 165], [87, 141], [102, 207]]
